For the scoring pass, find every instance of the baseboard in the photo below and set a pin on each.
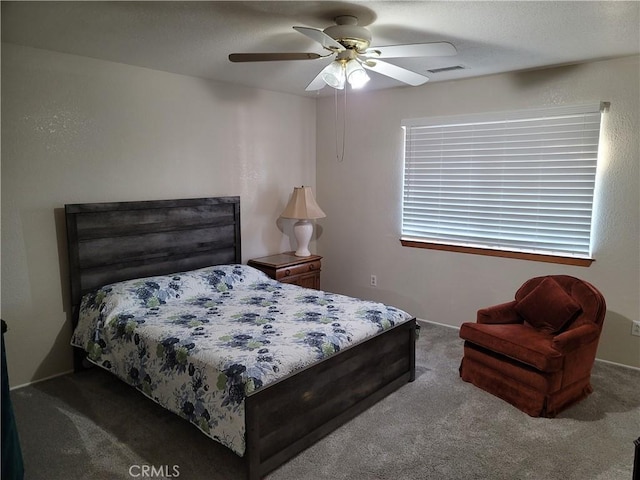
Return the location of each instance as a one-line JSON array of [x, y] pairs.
[[40, 380], [436, 323], [618, 364]]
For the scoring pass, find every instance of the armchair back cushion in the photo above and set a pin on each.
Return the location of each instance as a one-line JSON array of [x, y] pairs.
[[548, 307], [590, 300]]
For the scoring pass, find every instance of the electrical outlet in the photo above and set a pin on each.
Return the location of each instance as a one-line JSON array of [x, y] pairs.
[[635, 328], [374, 281]]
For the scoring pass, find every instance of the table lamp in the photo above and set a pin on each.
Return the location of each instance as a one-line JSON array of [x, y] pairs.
[[303, 207]]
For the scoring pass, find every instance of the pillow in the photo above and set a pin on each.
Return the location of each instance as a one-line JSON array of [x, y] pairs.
[[548, 307], [224, 277]]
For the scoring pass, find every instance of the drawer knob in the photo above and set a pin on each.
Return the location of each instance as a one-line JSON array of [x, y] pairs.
[[312, 266], [287, 272]]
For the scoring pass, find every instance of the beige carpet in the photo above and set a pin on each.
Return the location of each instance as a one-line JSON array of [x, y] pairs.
[[92, 426]]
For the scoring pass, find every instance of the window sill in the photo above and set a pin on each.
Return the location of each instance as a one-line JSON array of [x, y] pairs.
[[536, 257]]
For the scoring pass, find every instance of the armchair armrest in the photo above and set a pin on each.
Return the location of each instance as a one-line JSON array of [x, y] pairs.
[[575, 338], [502, 313]]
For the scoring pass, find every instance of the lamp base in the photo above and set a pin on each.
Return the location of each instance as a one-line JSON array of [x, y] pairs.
[[303, 229]]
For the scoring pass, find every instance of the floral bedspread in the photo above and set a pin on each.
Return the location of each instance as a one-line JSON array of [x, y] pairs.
[[198, 342]]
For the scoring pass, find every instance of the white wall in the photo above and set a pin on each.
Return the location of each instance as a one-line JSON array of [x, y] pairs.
[[79, 130], [362, 199]]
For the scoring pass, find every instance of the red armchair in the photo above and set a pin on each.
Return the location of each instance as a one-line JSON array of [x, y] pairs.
[[536, 352]]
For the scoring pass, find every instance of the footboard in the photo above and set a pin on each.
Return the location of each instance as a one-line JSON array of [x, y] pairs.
[[295, 412]]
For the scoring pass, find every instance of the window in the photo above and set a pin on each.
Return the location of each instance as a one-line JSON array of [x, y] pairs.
[[509, 184]]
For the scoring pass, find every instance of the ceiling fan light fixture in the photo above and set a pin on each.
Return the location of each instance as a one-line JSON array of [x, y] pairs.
[[348, 43], [356, 75], [334, 75]]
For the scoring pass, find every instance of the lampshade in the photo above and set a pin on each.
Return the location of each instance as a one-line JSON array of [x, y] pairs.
[[333, 75], [337, 72], [356, 75], [302, 205]]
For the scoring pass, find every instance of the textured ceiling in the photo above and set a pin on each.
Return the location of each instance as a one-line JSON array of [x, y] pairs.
[[195, 38]]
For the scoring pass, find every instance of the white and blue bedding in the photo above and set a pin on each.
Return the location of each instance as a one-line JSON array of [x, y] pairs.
[[198, 342]]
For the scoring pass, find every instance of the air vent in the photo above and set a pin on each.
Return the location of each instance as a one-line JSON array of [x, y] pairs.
[[446, 69]]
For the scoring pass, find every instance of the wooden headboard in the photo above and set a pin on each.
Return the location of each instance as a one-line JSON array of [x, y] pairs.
[[111, 242]]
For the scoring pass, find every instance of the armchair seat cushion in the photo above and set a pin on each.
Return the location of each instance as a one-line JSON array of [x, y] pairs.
[[518, 341]]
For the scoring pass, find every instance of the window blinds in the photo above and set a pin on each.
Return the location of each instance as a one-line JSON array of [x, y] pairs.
[[517, 181]]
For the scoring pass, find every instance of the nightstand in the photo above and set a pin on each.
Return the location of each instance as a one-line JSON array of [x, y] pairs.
[[287, 268]]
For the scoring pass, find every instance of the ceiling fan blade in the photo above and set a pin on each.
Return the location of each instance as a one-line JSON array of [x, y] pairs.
[[271, 57], [317, 83], [319, 36], [393, 71], [435, 49]]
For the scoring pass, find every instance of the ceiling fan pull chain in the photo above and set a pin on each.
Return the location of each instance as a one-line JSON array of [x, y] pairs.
[[344, 122], [340, 157]]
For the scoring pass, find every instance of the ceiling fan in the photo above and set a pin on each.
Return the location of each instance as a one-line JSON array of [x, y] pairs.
[[350, 43]]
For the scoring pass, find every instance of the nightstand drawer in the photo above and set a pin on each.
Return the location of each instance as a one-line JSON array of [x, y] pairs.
[[287, 268], [293, 270]]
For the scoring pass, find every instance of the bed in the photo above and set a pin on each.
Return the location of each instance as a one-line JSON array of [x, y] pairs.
[[132, 262]]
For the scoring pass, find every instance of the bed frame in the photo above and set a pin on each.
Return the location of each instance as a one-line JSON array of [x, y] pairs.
[[109, 242]]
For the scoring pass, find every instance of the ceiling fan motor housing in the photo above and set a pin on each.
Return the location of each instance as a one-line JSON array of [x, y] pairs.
[[348, 33]]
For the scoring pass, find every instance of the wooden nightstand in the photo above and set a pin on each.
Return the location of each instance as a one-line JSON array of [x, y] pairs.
[[287, 268]]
